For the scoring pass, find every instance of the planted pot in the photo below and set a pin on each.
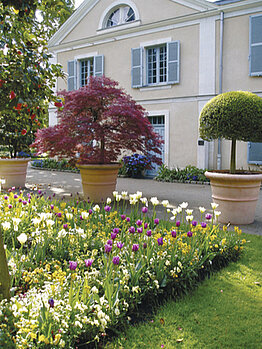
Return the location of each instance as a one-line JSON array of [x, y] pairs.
[[98, 181], [13, 172], [236, 195]]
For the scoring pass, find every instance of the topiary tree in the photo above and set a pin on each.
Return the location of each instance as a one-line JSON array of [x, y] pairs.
[[96, 124], [235, 115]]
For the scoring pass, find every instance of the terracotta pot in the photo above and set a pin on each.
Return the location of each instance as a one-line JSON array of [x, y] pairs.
[[98, 181], [13, 171], [236, 194]]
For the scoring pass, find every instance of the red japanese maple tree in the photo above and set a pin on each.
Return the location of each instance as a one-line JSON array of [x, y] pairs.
[[97, 123]]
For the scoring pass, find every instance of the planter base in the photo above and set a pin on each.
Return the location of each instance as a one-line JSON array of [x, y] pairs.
[[13, 172], [236, 195], [98, 181]]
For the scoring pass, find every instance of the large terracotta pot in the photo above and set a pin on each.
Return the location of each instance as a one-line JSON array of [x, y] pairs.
[[98, 181], [236, 194], [13, 171]]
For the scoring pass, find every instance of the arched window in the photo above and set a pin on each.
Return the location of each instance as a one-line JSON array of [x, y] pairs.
[[120, 15]]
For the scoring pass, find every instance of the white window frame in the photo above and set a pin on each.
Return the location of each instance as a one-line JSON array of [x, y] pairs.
[[79, 59], [113, 6], [158, 82]]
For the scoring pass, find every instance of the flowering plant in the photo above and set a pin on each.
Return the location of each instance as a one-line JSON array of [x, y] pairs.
[[26, 79], [135, 164], [96, 124], [78, 270]]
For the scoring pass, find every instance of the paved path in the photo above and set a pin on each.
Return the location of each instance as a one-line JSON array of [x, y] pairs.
[[65, 184]]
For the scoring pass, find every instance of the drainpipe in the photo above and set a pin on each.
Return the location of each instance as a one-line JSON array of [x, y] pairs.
[[219, 155]]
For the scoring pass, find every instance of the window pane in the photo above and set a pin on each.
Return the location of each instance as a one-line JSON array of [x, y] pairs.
[[129, 14], [114, 18], [152, 65]]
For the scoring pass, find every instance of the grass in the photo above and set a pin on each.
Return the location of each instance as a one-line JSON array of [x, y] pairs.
[[225, 311]]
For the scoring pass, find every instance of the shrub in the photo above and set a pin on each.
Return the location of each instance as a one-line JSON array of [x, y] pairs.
[[235, 115], [135, 164], [189, 173]]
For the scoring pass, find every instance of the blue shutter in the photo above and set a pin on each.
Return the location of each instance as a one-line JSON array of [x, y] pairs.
[[254, 154], [137, 67], [173, 57], [99, 65], [255, 48], [71, 70]]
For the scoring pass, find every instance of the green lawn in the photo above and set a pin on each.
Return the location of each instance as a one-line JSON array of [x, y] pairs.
[[225, 311]]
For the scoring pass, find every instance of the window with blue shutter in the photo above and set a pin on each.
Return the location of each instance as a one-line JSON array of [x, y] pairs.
[[255, 48], [254, 154], [99, 65], [161, 64], [137, 67], [173, 53], [71, 70], [86, 67]]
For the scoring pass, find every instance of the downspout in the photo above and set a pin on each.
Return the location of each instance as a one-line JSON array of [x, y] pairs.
[[219, 154]]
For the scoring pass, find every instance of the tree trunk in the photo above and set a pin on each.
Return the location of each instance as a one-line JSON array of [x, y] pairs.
[[233, 156], [4, 273]]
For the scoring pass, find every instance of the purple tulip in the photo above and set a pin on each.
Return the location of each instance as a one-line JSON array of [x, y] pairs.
[[189, 234], [132, 230], [110, 242], [24, 202], [135, 247], [15, 196], [10, 206], [139, 223], [113, 236], [144, 209], [178, 223], [160, 241], [149, 233], [72, 265], [145, 225], [116, 260], [120, 245], [123, 217], [20, 200], [52, 207], [144, 245], [59, 214], [65, 226], [156, 221], [203, 225], [107, 208], [140, 230], [194, 223], [90, 211], [89, 262], [5, 197], [81, 218], [128, 219], [51, 302], [208, 216], [173, 233], [116, 230], [108, 248]]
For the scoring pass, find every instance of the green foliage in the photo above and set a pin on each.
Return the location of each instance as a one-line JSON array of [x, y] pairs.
[[27, 77], [189, 173], [62, 165], [232, 115]]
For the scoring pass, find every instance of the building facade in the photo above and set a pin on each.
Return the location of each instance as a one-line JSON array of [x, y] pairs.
[[171, 56]]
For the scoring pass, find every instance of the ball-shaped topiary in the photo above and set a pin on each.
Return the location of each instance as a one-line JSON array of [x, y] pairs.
[[235, 115]]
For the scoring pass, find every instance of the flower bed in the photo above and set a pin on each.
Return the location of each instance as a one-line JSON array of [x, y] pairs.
[[79, 270], [190, 174]]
